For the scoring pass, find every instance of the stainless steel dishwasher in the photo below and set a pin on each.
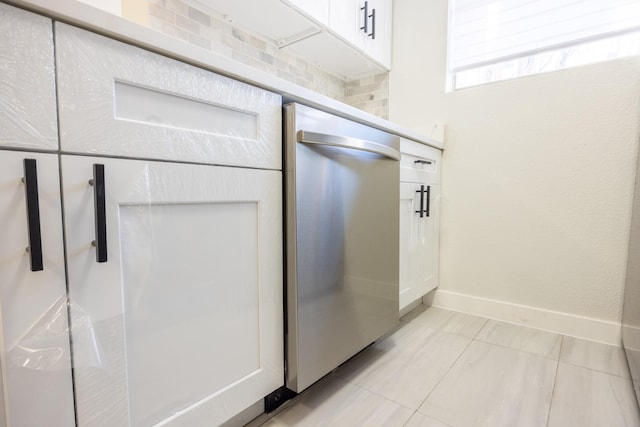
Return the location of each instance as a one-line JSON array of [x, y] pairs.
[[342, 209]]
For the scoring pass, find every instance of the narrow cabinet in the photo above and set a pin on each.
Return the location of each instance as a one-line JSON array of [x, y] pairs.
[[419, 221], [35, 356], [176, 287]]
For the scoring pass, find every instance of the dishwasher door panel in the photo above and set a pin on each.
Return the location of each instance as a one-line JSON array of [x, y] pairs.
[[343, 277]]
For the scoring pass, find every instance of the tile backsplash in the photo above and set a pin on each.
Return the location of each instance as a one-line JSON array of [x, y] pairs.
[[210, 31]]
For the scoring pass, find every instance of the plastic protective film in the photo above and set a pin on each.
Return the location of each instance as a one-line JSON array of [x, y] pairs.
[[182, 325], [121, 100], [27, 91]]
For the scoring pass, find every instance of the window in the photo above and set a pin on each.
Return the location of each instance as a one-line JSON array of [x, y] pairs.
[[503, 39]]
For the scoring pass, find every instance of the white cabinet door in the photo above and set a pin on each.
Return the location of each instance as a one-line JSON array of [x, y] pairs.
[[35, 356], [428, 244], [377, 43], [366, 24], [346, 17], [408, 242], [27, 89], [419, 240], [182, 325], [121, 100]]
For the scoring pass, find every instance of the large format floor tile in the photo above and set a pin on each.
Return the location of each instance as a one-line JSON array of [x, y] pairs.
[[409, 368], [453, 322], [535, 341], [593, 355], [494, 386], [333, 402], [585, 398], [463, 370], [419, 420]]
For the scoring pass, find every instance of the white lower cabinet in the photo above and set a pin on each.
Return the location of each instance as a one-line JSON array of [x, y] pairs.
[[179, 320], [36, 388], [419, 221]]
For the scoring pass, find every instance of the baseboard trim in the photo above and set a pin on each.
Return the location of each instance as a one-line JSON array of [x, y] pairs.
[[563, 323]]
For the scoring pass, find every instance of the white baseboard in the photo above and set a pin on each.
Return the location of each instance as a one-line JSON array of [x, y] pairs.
[[563, 323]]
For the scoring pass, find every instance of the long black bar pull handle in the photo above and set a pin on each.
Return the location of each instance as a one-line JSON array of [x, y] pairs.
[[428, 200], [100, 213], [373, 24], [33, 214], [421, 191], [365, 9]]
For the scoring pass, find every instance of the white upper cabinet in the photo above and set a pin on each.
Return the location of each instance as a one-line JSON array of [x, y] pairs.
[[328, 33], [357, 41], [377, 41], [27, 90], [315, 9], [366, 24], [279, 20], [117, 99]]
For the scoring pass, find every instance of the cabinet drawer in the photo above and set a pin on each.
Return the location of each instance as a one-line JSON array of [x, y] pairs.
[[117, 99], [419, 163]]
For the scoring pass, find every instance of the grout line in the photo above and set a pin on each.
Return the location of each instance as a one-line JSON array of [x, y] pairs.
[[445, 374], [409, 419], [555, 381], [593, 369], [596, 370], [518, 349], [486, 320]]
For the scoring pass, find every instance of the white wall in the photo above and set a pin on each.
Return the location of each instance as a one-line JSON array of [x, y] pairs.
[[537, 180]]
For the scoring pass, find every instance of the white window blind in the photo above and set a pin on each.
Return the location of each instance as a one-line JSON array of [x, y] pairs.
[[484, 32]]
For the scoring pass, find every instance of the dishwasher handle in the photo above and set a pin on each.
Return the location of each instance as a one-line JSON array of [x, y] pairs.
[[347, 142]]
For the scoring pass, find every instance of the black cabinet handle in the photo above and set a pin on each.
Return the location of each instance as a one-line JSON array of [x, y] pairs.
[[423, 162], [424, 211], [365, 8], [100, 212], [421, 191], [373, 24], [428, 200], [33, 214]]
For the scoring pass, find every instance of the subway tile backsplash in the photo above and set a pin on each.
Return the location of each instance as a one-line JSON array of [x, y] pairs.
[[205, 29]]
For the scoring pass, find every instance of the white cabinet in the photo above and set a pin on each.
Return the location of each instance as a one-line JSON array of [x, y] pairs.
[[27, 91], [174, 269], [419, 220], [182, 324], [117, 99], [327, 33], [357, 41], [35, 357], [366, 24], [283, 21]]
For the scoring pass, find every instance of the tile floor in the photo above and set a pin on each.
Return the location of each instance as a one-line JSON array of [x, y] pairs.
[[443, 368]]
